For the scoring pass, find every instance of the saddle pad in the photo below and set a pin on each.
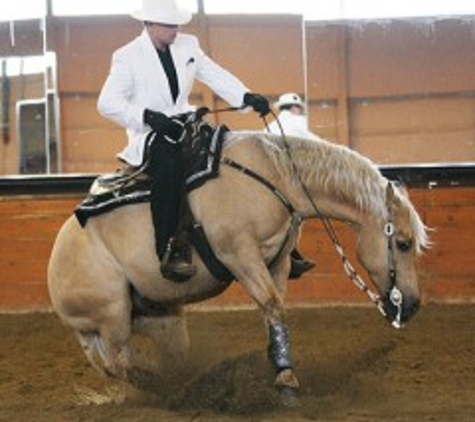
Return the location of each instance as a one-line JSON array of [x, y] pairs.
[[138, 192], [201, 156]]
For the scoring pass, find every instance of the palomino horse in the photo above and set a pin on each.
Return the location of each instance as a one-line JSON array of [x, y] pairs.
[[93, 270]]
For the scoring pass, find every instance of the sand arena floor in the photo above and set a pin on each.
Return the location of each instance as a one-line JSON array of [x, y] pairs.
[[351, 364]]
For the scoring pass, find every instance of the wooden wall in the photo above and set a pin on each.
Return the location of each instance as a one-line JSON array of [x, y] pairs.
[[399, 91], [28, 226]]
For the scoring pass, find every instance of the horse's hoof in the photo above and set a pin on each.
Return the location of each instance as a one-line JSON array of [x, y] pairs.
[[289, 397]]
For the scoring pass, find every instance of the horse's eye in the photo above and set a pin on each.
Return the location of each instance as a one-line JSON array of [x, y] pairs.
[[404, 245]]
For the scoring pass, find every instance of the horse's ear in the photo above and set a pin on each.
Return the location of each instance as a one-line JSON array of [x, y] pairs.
[[390, 194]]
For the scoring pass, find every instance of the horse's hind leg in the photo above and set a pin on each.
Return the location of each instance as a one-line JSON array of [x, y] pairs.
[[91, 344]]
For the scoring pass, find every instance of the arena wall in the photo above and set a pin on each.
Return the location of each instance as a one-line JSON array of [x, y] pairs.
[[28, 226]]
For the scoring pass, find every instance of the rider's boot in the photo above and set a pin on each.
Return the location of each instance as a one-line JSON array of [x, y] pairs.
[[176, 263], [299, 265]]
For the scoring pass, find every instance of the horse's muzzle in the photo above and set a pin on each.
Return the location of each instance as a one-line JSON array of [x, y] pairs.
[[400, 313]]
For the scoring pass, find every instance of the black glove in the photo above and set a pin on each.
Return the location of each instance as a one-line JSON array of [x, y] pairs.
[[162, 124], [257, 102]]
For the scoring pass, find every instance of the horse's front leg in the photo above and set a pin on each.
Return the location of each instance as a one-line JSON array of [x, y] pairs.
[[279, 343], [268, 293]]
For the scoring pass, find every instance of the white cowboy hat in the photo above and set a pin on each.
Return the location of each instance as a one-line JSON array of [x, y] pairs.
[[289, 99], [162, 11]]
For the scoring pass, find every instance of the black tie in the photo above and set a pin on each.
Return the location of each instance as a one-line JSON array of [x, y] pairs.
[[167, 62]]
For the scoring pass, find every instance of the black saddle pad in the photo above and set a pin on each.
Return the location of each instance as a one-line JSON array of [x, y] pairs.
[[202, 149], [105, 196], [202, 154]]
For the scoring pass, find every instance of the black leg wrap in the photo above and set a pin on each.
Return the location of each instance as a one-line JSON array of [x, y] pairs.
[[279, 347]]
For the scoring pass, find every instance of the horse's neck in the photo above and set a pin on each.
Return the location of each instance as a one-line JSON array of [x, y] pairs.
[[332, 208], [343, 184]]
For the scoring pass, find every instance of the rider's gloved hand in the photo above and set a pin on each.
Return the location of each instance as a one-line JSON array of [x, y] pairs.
[[162, 124], [258, 102]]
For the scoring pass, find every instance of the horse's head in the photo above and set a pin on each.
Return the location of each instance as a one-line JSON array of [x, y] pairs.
[[389, 251]]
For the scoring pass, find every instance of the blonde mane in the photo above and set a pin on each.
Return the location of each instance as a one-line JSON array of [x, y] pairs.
[[339, 171], [336, 170]]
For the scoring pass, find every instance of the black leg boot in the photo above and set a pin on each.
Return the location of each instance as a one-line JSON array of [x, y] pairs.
[[299, 265]]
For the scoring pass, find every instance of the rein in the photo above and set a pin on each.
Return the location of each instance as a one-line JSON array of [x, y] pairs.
[[295, 218]]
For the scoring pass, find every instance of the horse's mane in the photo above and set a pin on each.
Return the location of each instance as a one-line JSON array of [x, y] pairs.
[[339, 171]]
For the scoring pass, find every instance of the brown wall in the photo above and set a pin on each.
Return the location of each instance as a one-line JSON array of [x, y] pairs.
[[398, 91], [25, 40], [28, 226], [26, 87]]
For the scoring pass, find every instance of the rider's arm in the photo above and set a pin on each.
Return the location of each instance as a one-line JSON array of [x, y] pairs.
[[115, 100]]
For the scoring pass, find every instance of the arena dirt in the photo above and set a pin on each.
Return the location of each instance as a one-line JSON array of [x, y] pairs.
[[351, 364]]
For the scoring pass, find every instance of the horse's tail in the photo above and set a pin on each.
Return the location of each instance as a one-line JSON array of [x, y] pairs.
[[95, 349]]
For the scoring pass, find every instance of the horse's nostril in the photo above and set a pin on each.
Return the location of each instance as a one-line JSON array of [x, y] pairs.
[[410, 308], [401, 311]]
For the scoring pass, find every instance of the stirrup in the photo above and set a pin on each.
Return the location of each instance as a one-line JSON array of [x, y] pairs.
[[178, 271], [174, 267]]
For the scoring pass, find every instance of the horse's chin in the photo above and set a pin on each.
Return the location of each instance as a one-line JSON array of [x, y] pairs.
[[398, 316]]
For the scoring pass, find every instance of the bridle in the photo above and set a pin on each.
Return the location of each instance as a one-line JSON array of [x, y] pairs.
[[395, 295]]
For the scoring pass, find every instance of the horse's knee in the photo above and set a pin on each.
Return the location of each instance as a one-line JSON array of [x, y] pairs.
[[274, 310]]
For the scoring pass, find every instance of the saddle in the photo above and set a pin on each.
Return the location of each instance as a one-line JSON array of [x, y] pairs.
[[201, 148]]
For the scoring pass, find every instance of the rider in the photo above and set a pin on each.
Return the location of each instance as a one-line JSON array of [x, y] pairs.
[[292, 117], [292, 121], [150, 80]]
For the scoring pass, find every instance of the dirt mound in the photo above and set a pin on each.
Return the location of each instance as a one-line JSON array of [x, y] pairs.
[[240, 385]]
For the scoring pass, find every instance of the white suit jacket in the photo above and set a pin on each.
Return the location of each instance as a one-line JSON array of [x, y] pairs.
[[138, 81], [293, 125]]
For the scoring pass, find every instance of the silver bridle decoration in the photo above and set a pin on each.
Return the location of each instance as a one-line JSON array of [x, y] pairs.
[[395, 295], [358, 281]]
